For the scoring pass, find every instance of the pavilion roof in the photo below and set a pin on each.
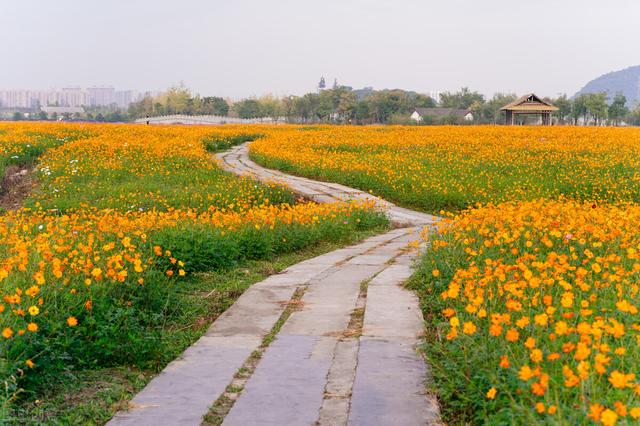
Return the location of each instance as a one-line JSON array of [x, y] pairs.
[[529, 102]]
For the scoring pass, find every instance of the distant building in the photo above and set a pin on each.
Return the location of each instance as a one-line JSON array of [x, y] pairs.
[[66, 97], [419, 114], [435, 95], [101, 96], [322, 85], [529, 104]]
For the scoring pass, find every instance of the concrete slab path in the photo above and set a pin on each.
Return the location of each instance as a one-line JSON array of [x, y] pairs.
[[347, 356]]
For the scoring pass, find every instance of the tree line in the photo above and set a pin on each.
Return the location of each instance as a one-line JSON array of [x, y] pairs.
[[343, 105]]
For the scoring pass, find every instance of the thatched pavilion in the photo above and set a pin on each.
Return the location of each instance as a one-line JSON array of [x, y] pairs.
[[529, 104]]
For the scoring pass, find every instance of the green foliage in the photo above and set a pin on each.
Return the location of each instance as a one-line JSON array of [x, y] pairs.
[[248, 108], [217, 143], [205, 248], [618, 109], [462, 99]]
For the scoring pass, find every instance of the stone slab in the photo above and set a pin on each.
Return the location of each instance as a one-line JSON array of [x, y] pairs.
[[392, 312], [183, 392], [389, 386], [287, 386], [328, 303], [255, 312]]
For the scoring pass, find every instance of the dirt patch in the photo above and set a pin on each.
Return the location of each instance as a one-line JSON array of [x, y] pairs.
[[15, 186]]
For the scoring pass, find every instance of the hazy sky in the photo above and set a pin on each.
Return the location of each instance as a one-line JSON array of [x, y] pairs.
[[251, 47]]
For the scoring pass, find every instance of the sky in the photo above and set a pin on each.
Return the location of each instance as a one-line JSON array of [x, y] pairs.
[[243, 48]]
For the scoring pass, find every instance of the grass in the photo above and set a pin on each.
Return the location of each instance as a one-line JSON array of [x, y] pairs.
[[92, 396], [218, 143]]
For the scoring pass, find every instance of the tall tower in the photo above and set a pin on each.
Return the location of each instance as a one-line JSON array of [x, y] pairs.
[[322, 85]]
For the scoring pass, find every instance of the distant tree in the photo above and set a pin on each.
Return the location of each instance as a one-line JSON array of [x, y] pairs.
[[618, 109], [564, 106], [462, 99], [18, 116], [346, 104], [177, 100], [633, 117], [270, 106], [596, 104], [42, 115], [361, 112], [289, 108], [306, 106], [579, 108], [324, 108], [213, 105], [423, 101], [385, 103], [489, 112], [248, 108]]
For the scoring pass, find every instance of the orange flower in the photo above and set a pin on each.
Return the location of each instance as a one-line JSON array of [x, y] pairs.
[[72, 321], [512, 335], [491, 394]]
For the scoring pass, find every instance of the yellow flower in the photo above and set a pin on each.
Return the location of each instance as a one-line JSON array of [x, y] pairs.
[[34, 310], [72, 321], [491, 393], [609, 417], [469, 328], [620, 380]]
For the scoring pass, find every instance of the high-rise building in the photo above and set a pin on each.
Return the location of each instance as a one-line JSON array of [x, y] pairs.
[[101, 96], [68, 97]]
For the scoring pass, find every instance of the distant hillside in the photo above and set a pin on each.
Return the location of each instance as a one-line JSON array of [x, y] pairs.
[[625, 81]]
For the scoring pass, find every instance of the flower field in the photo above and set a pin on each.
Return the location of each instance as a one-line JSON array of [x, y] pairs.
[[530, 286], [120, 219], [437, 168], [543, 295]]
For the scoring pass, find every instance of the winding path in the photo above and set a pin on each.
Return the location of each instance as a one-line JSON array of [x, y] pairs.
[[346, 355]]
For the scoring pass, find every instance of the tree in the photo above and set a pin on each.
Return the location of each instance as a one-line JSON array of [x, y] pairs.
[[564, 106], [270, 106], [596, 104], [618, 109], [306, 106], [489, 112], [18, 116], [213, 105], [248, 108], [463, 99], [633, 117], [176, 100], [579, 108], [423, 101]]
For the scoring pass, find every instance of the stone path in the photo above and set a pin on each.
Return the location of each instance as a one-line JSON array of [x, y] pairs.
[[346, 356], [237, 160]]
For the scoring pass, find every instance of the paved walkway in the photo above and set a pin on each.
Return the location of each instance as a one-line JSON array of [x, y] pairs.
[[345, 356]]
